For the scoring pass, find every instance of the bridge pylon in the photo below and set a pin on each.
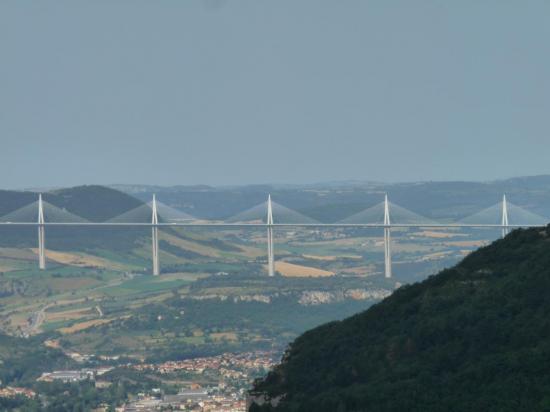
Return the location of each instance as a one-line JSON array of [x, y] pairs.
[[387, 239], [155, 237], [41, 235], [505, 228], [270, 254]]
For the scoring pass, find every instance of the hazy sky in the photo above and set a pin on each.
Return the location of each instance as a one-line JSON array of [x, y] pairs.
[[293, 91]]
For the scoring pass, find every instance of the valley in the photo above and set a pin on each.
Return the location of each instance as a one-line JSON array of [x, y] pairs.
[[97, 305]]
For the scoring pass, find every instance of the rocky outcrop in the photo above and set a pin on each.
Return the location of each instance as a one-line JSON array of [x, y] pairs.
[[305, 298], [313, 297]]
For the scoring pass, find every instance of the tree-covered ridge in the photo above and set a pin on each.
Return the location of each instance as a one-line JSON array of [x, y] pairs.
[[93, 203], [475, 337], [24, 360]]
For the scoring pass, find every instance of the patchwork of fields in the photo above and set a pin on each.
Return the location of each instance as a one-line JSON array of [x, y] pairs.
[[213, 292]]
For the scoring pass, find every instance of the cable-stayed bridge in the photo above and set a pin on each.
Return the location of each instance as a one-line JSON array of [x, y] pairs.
[[268, 215]]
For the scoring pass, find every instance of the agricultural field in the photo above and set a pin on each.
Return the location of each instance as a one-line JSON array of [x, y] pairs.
[[213, 293], [97, 295]]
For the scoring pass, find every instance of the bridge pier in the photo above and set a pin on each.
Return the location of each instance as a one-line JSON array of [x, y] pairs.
[[41, 235], [155, 238], [270, 254], [387, 239], [505, 228], [14, 219]]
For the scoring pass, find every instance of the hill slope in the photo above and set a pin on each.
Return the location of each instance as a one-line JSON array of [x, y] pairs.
[[331, 202], [24, 360], [93, 203], [473, 337]]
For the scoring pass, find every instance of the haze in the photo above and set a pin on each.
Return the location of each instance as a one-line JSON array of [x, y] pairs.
[[227, 92]]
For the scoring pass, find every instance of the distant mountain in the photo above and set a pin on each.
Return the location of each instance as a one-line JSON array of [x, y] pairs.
[[91, 203], [334, 201], [94, 203], [475, 337]]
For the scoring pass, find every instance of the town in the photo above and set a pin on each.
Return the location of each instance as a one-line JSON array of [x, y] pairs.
[[234, 373], [205, 384]]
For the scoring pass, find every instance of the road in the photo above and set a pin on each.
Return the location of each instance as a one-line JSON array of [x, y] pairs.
[[37, 318]]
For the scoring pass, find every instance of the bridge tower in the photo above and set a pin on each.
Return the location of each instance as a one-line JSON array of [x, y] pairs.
[[41, 235], [270, 255], [505, 228], [387, 239], [155, 237]]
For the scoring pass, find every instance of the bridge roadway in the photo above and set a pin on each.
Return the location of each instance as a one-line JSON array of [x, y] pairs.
[[265, 225], [387, 224]]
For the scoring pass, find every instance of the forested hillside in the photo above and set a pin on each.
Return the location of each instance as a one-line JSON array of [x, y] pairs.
[[24, 360], [475, 337], [86, 203]]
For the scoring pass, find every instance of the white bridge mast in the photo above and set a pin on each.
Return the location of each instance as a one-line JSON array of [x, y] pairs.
[[270, 225], [505, 228], [155, 238], [387, 239], [270, 255], [41, 235]]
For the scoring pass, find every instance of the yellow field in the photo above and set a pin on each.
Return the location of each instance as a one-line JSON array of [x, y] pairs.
[[293, 270], [189, 245], [15, 253], [251, 252], [168, 277], [10, 256], [434, 256], [69, 301], [362, 270], [68, 284], [69, 314], [231, 336], [467, 243], [80, 259], [330, 258], [77, 327], [5, 268], [437, 235]]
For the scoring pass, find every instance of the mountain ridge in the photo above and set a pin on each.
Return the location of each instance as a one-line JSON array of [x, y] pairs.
[[331, 202], [473, 337]]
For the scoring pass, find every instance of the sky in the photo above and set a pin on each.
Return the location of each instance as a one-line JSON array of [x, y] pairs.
[[283, 91]]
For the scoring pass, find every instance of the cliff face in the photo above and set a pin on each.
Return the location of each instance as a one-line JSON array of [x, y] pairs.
[[304, 298], [475, 337]]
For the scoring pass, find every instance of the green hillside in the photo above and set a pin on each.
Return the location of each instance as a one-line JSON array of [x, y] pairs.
[[475, 337], [97, 296], [23, 360], [88, 267], [93, 203]]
